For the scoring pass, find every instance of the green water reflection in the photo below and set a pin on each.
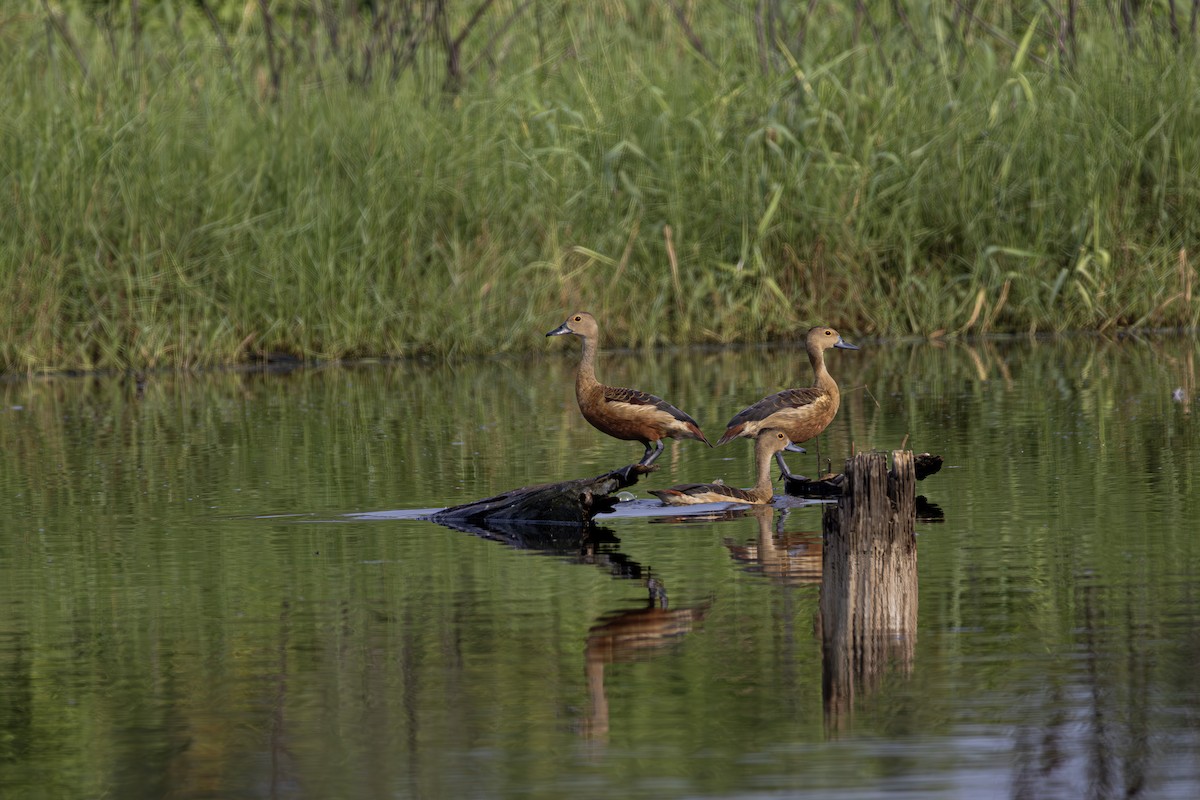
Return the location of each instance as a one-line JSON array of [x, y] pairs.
[[189, 606]]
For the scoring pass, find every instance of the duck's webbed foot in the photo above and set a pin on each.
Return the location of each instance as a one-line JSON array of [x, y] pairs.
[[630, 474]]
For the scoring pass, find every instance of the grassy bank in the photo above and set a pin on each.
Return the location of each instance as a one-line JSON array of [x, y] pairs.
[[190, 190]]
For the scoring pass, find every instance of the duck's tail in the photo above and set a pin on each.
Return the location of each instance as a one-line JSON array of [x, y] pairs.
[[694, 432], [731, 433]]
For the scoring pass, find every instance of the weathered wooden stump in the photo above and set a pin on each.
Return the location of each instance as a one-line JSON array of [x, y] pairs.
[[868, 608], [567, 502]]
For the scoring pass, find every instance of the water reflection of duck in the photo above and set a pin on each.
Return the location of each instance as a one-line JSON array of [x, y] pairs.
[[623, 636], [800, 413], [769, 442], [628, 414], [792, 557]]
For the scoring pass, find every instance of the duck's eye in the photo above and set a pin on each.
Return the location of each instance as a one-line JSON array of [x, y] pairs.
[[829, 333], [578, 319]]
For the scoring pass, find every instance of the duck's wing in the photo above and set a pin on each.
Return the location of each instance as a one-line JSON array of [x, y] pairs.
[[686, 493], [683, 488], [636, 397], [780, 401]]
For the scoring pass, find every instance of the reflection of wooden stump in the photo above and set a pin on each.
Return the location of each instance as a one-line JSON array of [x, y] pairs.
[[869, 588], [573, 502]]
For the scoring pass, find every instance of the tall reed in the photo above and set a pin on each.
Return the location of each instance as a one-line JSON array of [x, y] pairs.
[[194, 186]]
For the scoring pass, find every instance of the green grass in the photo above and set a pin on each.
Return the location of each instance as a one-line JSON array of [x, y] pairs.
[[165, 208]]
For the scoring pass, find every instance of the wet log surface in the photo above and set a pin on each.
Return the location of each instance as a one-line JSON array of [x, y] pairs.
[[556, 519], [868, 606], [573, 502], [576, 502], [924, 464]]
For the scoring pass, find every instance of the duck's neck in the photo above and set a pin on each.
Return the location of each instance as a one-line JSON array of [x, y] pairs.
[[823, 380], [585, 377], [763, 456]]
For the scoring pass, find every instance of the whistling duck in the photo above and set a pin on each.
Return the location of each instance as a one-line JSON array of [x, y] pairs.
[[623, 413], [769, 442], [800, 413]]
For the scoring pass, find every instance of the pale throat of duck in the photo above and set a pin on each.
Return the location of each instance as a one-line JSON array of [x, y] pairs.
[[585, 377], [823, 379], [764, 469]]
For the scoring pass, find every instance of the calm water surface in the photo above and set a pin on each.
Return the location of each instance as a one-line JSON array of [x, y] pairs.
[[210, 586]]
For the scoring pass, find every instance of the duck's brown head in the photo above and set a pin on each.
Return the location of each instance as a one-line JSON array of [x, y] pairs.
[[581, 323], [775, 440], [824, 337]]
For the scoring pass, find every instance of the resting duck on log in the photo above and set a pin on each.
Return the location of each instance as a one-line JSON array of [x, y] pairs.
[[768, 443]]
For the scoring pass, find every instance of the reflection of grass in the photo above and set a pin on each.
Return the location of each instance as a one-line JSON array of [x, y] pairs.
[[132, 579], [411, 435], [164, 210]]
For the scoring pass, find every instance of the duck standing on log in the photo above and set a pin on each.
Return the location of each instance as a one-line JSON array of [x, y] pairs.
[[628, 414], [800, 413], [769, 442]]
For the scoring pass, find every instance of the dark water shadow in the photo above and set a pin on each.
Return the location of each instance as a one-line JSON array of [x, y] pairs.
[[579, 544]]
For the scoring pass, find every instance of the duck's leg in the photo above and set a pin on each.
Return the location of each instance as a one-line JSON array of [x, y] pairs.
[[653, 450]]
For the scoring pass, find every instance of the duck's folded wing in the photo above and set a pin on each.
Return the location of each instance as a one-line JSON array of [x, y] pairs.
[[788, 398], [707, 492], [682, 488], [636, 397]]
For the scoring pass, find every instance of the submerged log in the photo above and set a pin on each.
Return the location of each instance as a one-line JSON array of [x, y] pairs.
[[868, 607], [925, 464], [573, 502]]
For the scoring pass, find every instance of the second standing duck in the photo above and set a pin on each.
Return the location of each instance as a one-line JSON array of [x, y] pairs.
[[628, 414], [800, 413], [767, 443]]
